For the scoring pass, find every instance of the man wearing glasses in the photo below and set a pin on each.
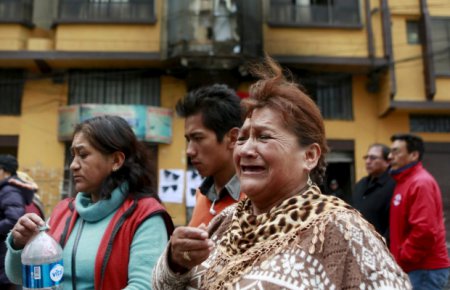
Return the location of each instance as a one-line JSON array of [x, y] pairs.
[[372, 194], [417, 230]]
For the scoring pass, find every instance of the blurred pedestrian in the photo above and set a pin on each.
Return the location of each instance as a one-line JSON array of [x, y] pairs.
[[335, 189], [417, 231], [373, 193], [13, 200], [36, 206]]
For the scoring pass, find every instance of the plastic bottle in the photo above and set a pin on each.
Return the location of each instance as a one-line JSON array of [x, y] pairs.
[[42, 263]]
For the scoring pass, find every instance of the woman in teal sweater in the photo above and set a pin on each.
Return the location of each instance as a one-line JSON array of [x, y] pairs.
[[115, 228]]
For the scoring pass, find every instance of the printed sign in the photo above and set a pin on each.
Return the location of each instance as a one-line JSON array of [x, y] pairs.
[[171, 185]]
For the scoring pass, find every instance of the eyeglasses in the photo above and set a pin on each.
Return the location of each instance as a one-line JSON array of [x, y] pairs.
[[371, 157]]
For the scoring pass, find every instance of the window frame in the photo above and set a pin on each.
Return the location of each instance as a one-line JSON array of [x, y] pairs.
[[413, 26], [339, 84], [12, 86], [437, 51], [424, 123]]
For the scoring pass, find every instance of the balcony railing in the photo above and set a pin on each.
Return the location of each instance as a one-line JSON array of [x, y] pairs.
[[16, 11], [106, 11], [345, 13]]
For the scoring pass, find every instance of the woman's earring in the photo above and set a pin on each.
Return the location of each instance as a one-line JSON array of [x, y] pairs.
[[309, 182]]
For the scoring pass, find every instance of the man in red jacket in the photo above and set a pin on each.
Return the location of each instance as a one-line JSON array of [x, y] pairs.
[[417, 229]]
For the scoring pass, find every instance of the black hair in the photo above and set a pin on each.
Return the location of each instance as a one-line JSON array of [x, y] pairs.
[[109, 134], [9, 163], [385, 150], [219, 106], [413, 143]]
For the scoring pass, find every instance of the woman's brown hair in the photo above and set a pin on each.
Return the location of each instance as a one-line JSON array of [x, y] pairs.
[[300, 114]]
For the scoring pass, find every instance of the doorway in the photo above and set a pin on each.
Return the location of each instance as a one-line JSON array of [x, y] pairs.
[[340, 167]]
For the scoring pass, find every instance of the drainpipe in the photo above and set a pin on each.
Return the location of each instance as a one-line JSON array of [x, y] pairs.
[[370, 45], [387, 45], [427, 51]]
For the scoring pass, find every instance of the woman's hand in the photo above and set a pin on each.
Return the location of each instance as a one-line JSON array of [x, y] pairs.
[[189, 247], [25, 228]]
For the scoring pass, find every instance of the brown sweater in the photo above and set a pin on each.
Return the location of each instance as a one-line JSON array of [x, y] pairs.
[[337, 249]]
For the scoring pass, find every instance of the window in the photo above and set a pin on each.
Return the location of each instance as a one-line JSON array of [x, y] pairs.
[[430, 123], [413, 32], [440, 37], [332, 93], [315, 12], [11, 91], [127, 87]]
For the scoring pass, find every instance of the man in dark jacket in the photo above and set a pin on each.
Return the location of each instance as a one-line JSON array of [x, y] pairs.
[[373, 193], [13, 200]]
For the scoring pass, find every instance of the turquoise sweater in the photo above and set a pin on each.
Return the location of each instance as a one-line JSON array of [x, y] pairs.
[[144, 252]]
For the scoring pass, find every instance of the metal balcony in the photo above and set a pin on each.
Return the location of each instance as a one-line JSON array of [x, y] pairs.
[[214, 33], [16, 11], [106, 11], [342, 13]]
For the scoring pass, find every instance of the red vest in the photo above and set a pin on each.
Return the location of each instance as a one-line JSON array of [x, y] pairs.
[[111, 262]]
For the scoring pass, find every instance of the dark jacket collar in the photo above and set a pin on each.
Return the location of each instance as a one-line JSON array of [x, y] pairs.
[[406, 170], [382, 179]]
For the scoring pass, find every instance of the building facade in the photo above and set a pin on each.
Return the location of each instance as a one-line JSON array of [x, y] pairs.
[[374, 67]]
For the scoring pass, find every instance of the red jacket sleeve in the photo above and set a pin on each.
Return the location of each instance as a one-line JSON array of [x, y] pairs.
[[423, 221]]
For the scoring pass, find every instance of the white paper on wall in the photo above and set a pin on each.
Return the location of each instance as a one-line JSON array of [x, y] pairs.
[[171, 185], [193, 181]]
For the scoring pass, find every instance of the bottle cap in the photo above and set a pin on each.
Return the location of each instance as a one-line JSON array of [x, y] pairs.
[[44, 228]]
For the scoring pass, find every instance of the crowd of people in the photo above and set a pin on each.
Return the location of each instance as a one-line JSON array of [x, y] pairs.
[[261, 220]]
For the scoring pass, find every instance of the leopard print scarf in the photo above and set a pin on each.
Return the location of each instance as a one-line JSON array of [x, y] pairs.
[[251, 238]]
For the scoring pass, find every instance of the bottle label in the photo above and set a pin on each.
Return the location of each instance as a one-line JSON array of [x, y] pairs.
[[43, 275]]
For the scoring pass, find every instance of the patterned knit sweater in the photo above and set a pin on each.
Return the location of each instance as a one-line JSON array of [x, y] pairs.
[[331, 247]]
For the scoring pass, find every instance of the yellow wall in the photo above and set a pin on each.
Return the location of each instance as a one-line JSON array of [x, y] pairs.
[[13, 37], [435, 137], [86, 37], [405, 7], [442, 89], [316, 42], [173, 156], [9, 125], [40, 154], [439, 8], [409, 64]]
